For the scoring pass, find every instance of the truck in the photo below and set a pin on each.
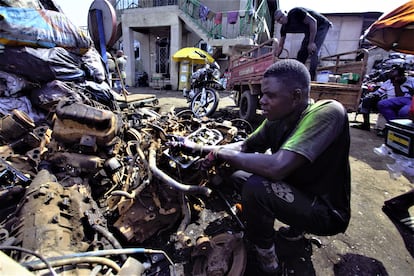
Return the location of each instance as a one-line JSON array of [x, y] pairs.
[[345, 72]]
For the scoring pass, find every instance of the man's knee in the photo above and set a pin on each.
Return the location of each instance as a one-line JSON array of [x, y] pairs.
[[251, 186], [259, 188], [381, 105]]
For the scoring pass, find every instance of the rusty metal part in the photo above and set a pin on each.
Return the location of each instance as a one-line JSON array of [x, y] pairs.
[[72, 160], [17, 130], [56, 217], [44, 133], [15, 125], [74, 120], [144, 218], [46, 215], [224, 254]]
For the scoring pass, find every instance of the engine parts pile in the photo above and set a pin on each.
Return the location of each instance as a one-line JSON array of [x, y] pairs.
[[88, 187]]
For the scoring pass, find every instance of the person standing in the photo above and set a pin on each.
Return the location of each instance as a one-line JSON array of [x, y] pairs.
[[314, 25], [111, 68], [292, 184], [121, 61]]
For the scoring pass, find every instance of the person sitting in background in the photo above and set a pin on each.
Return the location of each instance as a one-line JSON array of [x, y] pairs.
[[399, 106], [386, 91]]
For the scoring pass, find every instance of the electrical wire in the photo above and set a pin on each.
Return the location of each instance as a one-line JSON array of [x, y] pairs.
[[32, 253], [99, 253]]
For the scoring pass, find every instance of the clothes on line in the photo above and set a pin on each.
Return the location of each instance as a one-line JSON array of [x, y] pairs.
[[218, 18], [203, 12], [232, 17]]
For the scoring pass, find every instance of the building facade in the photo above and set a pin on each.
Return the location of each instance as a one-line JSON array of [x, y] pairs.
[[152, 31]]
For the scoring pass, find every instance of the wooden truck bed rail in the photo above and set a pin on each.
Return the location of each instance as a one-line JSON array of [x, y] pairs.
[[247, 69], [348, 94]]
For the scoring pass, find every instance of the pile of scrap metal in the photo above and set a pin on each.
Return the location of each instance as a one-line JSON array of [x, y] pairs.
[[89, 188]]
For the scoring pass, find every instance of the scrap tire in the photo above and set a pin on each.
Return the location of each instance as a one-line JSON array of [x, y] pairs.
[[248, 104]]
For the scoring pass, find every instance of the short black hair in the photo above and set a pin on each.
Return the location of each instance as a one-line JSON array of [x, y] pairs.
[[292, 72]]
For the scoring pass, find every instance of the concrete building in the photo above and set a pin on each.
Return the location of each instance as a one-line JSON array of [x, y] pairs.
[[152, 31]]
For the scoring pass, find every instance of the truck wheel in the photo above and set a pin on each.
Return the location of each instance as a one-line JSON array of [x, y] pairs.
[[248, 105]]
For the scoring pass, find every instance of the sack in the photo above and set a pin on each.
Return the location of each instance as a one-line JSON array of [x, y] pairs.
[[48, 96], [11, 84], [41, 65], [41, 28], [94, 66]]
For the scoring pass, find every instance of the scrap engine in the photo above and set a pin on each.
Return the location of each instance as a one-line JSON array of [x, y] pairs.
[[103, 191]]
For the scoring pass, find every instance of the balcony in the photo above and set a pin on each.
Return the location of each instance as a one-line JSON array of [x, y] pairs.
[[133, 4], [247, 23]]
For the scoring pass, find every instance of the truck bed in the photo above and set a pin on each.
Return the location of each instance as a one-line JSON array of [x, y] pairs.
[[246, 72], [349, 95]]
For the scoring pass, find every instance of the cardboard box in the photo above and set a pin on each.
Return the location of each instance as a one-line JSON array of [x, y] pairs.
[[349, 78]]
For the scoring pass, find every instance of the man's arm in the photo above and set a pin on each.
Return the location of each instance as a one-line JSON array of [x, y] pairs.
[[276, 166], [311, 22], [281, 45]]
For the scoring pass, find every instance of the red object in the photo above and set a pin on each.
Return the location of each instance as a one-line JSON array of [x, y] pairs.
[[395, 30], [218, 18], [411, 111]]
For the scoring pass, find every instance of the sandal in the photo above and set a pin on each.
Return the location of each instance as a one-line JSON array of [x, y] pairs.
[[408, 222], [400, 216]]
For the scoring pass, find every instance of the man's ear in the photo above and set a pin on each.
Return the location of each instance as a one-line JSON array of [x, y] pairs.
[[297, 94]]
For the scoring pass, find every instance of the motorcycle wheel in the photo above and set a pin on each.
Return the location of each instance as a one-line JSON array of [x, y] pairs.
[[206, 108]]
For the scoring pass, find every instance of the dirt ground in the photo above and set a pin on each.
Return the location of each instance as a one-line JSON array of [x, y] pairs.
[[372, 244]]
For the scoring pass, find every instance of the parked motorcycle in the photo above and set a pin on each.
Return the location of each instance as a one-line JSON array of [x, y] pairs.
[[203, 95]]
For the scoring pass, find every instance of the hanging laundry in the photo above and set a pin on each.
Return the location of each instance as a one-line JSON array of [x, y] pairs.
[[203, 12], [210, 15], [218, 18], [232, 17]]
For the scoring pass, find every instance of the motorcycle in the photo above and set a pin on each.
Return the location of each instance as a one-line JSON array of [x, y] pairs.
[[203, 95]]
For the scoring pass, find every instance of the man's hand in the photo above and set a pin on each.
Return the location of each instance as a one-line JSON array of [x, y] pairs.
[[312, 48], [210, 160]]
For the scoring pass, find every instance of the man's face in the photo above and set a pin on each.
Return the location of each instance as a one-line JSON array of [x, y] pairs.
[[277, 101], [396, 78]]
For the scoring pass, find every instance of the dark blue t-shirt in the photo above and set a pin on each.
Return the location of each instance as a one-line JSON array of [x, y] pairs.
[[295, 21]]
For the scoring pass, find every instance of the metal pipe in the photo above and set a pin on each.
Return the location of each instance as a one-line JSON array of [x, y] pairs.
[[100, 253], [172, 182], [108, 235], [79, 260]]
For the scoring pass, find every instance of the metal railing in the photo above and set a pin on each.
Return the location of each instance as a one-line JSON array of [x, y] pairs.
[[133, 4], [228, 24], [215, 24]]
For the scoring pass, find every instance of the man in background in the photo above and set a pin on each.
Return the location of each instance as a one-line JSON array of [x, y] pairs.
[[121, 61], [314, 25]]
